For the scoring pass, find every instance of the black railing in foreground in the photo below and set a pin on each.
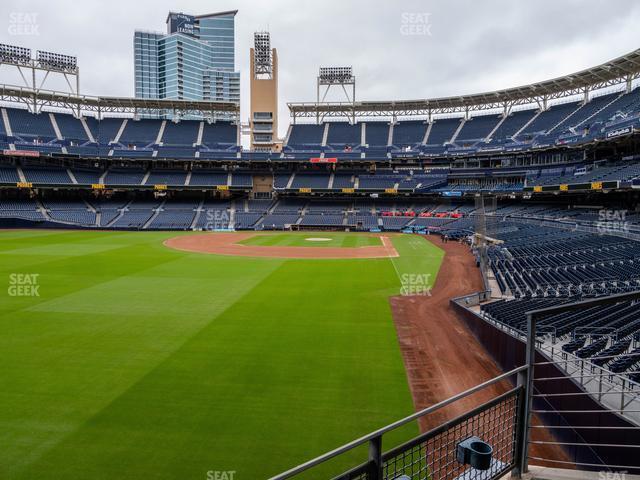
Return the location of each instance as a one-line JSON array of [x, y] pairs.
[[432, 455], [504, 423]]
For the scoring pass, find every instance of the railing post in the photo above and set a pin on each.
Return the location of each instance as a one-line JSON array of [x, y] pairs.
[[525, 380], [375, 458]]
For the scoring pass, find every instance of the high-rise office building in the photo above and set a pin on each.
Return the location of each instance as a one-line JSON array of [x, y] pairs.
[[194, 60]]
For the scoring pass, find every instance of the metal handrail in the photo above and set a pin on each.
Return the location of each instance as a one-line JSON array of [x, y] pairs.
[[378, 433]]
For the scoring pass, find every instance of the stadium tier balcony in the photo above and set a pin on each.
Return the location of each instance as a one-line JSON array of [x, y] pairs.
[[204, 178], [241, 180], [310, 180], [125, 176], [378, 181], [167, 177], [175, 152], [343, 180], [47, 175], [131, 152]]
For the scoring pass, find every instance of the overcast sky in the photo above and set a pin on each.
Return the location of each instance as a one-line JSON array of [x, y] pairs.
[[398, 49]]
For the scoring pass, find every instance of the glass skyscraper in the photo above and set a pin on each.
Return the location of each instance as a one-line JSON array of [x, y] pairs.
[[194, 60]]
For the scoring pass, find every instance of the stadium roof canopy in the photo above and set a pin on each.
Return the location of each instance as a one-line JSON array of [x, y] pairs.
[[622, 69], [36, 99]]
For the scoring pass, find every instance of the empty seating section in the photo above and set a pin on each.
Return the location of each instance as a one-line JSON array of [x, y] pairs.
[[394, 223], [443, 130], [71, 128], [107, 130], [246, 220], [550, 118], [134, 219], [512, 124], [183, 133], [377, 135], [538, 261], [306, 137], [378, 181], [343, 180], [219, 135], [478, 128], [241, 180], [87, 176], [559, 125], [344, 134], [587, 111], [175, 152], [167, 177], [324, 220], [47, 175], [29, 126], [281, 180], [205, 178], [74, 216], [606, 335], [311, 180], [8, 174], [124, 176], [278, 221], [174, 219], [140, 133], [409, 133]]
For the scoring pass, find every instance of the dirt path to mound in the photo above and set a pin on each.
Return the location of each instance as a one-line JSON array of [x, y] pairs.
[[228, 244], [441, 355]]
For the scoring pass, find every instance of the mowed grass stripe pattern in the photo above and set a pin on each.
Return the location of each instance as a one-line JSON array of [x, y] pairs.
[[300, 239], [137, 361]]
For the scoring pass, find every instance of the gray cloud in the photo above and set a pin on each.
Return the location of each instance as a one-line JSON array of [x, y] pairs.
[[473, 46]]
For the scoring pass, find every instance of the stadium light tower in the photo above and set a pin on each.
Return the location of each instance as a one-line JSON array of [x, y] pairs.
[[48, 62], [263, 122], [329, 77]]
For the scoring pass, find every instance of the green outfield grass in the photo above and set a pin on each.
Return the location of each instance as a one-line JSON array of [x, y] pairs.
[[299, 239], [136, 361]]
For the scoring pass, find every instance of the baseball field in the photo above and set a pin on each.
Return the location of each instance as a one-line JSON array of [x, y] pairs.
[[122, 357]]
